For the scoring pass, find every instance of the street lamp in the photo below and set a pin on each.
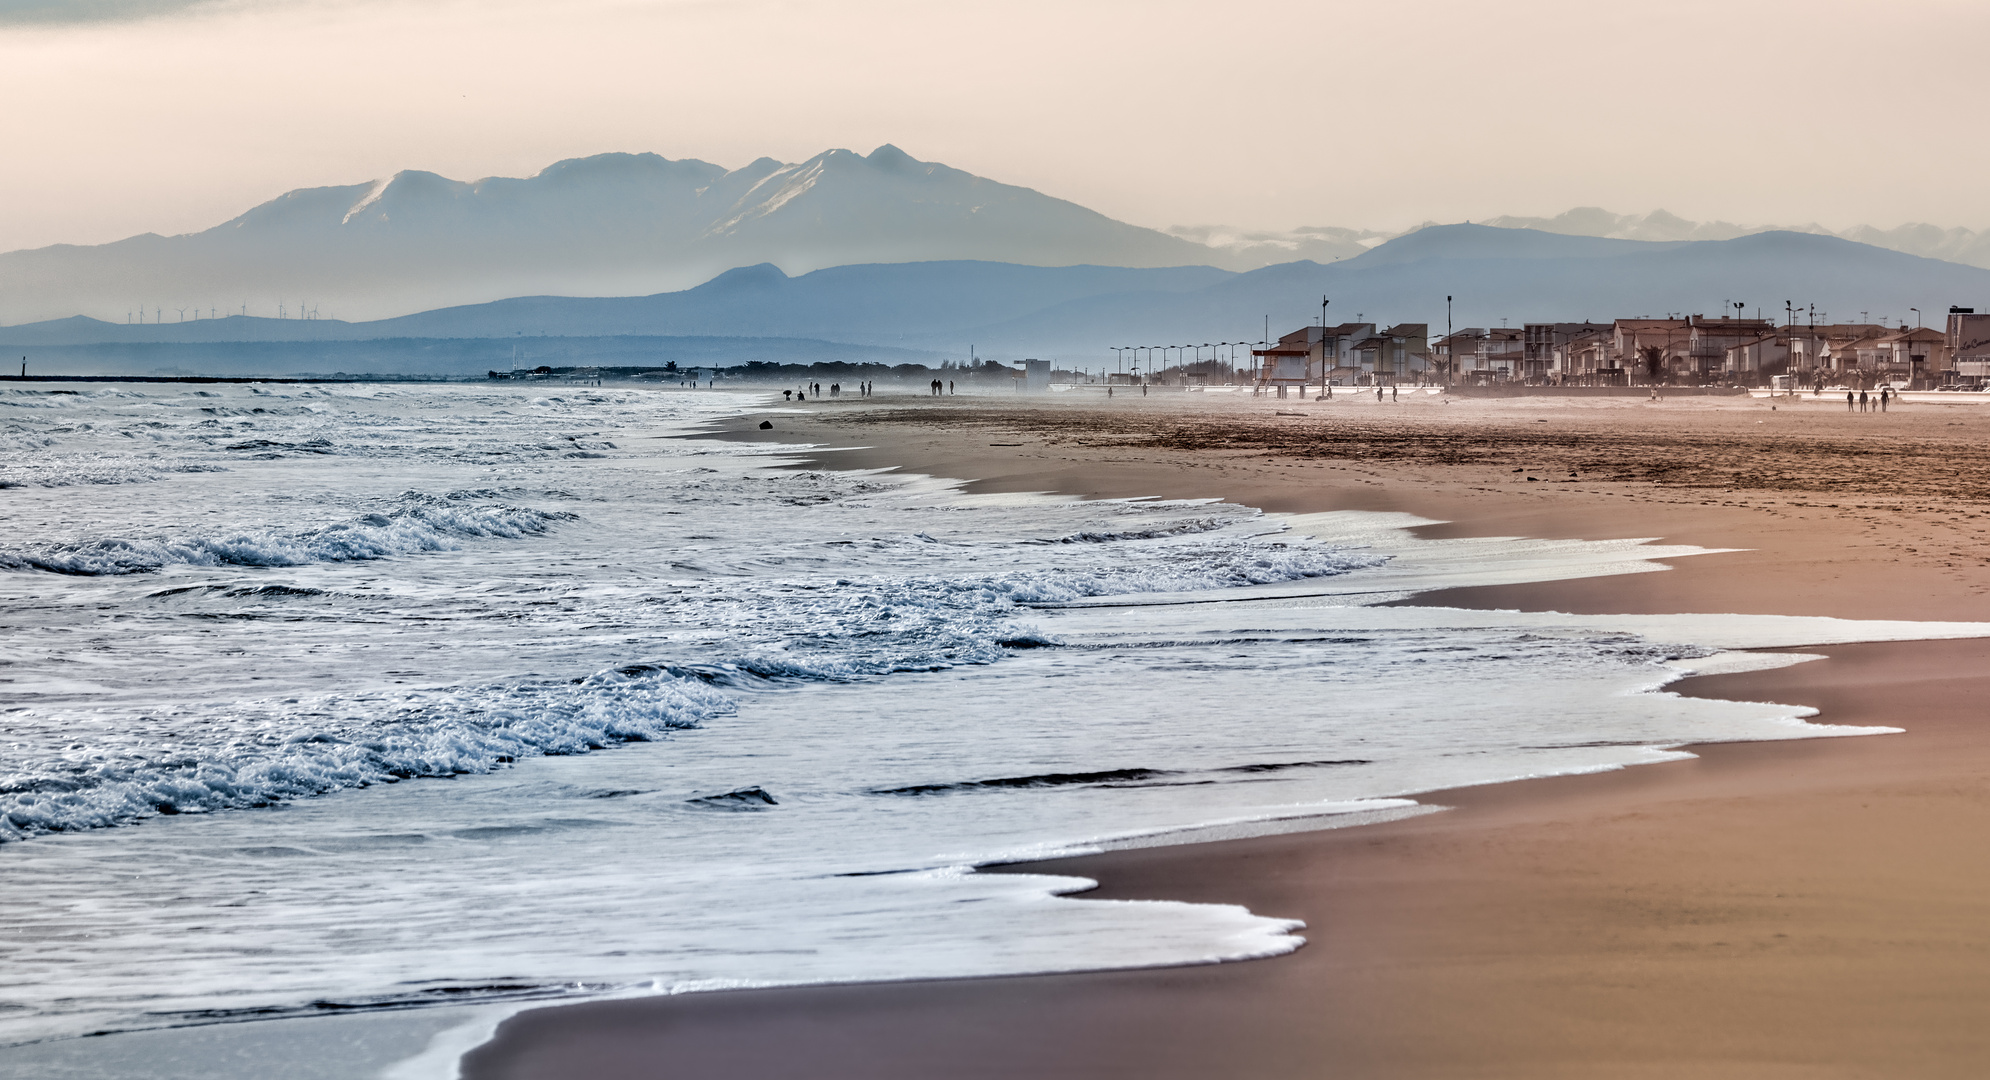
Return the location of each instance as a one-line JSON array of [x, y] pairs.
[[1451, 347], [1790, 343]]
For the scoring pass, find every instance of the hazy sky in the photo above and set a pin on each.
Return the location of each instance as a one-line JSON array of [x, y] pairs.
[[125, 116]]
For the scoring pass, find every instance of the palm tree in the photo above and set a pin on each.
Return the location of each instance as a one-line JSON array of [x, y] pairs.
[[1654, 358]]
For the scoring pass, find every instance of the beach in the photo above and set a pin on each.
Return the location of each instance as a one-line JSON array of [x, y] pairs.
[[1788, 909]]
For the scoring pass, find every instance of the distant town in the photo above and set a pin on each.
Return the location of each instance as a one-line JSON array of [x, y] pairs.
[[1675, 351], [1683, 350]]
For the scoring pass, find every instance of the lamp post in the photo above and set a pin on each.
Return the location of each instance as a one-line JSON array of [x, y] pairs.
[[1790, 345], [1913, 377], [1450, 347], [1325, 365], [1817, 373]]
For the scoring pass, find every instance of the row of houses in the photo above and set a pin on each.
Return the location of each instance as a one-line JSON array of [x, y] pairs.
[[1689, 350], [1353, 353]]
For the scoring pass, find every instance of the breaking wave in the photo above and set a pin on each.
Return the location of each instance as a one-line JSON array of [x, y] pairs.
[[287, 750], [417, 523], [858, 627], [261, 753]]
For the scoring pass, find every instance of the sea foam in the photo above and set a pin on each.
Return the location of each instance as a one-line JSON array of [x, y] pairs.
[[415, 523]]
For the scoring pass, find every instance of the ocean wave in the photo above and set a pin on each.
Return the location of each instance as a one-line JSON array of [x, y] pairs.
[[1128, 777], [860, 627], [416, 523], [289, 750], [1180, 528], [82, 470]]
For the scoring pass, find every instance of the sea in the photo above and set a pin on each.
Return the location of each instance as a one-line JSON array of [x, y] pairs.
[[339, 722]]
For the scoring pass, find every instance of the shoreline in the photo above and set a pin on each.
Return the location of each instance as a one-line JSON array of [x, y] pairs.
[[1434, 951]]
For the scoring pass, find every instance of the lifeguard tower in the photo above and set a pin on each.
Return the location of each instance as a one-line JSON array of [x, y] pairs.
[[1283, 366]]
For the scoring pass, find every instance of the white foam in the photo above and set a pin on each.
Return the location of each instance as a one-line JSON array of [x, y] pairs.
[[918, 679]]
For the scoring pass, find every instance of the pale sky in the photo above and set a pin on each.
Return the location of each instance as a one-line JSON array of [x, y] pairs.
[[127, 116]]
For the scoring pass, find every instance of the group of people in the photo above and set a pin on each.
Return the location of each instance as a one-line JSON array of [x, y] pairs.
[[1874, 403], [937, 384], [835, 390]]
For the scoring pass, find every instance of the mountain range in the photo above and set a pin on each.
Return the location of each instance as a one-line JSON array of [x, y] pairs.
[[903, 312], [640, 224], [609, 225]]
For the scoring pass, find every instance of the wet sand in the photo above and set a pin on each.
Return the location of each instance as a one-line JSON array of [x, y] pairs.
[[1800, 909]]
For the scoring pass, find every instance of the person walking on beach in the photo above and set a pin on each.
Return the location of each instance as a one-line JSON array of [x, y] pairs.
[[1885, 392], [1393, 395], [1849, 398], [950, 386], [1864, 405]]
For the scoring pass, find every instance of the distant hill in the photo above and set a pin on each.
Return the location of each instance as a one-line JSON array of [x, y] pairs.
[[1079, 313], [641, 225], [1512, 276], [609, 225], [1967, 246]]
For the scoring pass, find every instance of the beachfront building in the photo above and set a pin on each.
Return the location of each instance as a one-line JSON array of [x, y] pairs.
[[1450, 351], [1338, 344], [1692, 351], [1839, 358], [1708, 342], [1350, 354], [1921, 355], [1903, 357], [1968, 345], [1483, 356], [1399, 354], [1648, 349], [1546, 347], [1587, 359], [1758, 359], [1809, 348]]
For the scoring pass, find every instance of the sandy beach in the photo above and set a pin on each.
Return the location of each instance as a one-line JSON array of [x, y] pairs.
[[1797, 909]]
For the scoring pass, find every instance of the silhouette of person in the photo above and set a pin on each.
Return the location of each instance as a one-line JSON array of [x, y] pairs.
[[1849, 399], [1885, 392], [1863, 406]]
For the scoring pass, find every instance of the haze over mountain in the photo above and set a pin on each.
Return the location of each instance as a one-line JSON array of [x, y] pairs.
[[1325, 243], [609, 225], [638, 224], [895, 313]]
